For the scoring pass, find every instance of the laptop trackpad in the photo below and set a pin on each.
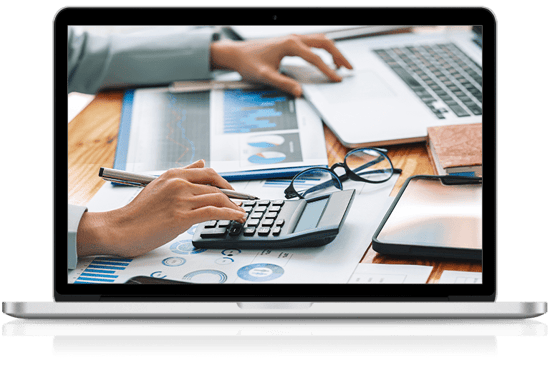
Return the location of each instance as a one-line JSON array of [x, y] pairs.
[[356, 86]]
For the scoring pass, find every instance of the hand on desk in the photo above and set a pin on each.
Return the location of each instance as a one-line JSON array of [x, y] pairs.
[[167, 207], [259, 61]]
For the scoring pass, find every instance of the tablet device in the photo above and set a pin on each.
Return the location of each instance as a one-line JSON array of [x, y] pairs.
[[438, 216]]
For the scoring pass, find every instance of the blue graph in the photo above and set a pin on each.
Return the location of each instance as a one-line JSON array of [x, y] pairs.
[[258, 110], [206, 276], [185, 247], [260, 272], [267, 157], [102, 270]]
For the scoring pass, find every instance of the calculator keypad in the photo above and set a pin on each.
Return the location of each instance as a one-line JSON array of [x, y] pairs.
[[262, 215]]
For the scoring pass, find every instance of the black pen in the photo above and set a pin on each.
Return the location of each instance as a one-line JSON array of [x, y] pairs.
[[133, 179]]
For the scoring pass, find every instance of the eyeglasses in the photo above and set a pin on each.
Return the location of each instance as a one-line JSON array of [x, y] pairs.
[[369, 165]]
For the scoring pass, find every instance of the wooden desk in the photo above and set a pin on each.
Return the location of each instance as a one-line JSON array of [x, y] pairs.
[[92, 143]]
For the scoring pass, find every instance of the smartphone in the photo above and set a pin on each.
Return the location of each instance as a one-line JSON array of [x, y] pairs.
[[435, 216]]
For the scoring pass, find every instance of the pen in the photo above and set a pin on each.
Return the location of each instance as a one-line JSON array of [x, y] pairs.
[[133, 179]]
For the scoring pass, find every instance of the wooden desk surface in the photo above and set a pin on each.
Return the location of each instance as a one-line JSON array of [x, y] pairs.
[[92, 144]]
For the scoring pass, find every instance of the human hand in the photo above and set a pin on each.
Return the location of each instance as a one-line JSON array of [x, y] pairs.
[[259, 61], [164, 209]]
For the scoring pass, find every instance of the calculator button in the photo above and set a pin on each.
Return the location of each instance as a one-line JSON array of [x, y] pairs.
[[276, 231], [247, 209], [235, 230], [252, 222], [263, 202], [275, 208], [277, 202], [264, 231], [210, 224], [249, 203], [279, 222], [213, 233], [249, 231], [222, 224], [267, 222], [260, 209], [271, 215], [256, 215]]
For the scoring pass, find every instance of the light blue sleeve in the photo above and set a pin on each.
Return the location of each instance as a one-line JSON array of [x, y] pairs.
[[75, 213], [152, 57]]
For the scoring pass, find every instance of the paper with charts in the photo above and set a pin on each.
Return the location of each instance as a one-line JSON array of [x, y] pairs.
[[232, 130], [179, 260]]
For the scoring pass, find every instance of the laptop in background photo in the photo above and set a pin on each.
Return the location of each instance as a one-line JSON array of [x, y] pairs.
[[400, 85]]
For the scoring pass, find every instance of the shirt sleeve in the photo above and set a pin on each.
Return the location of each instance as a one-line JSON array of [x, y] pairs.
[[75, 214], [153, 57]]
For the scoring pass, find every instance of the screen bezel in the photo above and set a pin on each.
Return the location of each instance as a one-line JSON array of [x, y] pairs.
[[275, 16]]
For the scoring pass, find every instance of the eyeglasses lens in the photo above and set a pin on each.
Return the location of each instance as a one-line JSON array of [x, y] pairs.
[[316, 182], [370, 165]]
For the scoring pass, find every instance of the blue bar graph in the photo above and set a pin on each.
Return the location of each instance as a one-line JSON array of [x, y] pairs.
[[258, 110], [102, 270]]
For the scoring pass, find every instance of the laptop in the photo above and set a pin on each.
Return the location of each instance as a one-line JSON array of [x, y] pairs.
[[216, 283], [401, 84]]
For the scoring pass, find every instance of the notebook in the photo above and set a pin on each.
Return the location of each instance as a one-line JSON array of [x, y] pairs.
[[309, 282]]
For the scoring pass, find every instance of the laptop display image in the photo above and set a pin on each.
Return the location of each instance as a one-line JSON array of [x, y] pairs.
[[209, 253], [294, 170]]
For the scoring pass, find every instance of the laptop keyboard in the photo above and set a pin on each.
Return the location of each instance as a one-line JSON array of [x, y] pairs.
[[441, 75]]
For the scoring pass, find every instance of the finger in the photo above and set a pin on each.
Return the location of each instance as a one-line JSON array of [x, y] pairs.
[[197, 164], [199, 189], [218, 199], [282, 82], [214, 213], [307, 54], [206, 176], [320, 41]]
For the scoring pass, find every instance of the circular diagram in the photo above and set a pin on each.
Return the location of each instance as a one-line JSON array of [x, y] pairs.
[[260, 272], [173, 261], [224, 261], [267, 157], [158, 274], [185, 247], [271, 140], [231, 252], [191, 231], [206, 276]]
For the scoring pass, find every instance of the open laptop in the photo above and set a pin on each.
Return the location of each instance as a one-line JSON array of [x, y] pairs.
[[226, 286], [401, 84]]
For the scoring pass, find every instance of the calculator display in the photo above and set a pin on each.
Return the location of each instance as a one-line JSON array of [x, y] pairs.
[[311, 215]]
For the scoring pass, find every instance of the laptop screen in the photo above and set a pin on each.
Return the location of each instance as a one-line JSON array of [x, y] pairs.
[[208, 157]]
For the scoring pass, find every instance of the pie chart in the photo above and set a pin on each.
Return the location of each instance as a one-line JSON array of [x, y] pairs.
[[267, 141], [267, 157]]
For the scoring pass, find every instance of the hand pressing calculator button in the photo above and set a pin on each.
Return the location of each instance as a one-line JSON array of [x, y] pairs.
[[287, 224]]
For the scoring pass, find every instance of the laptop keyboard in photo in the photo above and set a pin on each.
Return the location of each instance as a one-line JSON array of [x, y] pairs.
[[441, 75]]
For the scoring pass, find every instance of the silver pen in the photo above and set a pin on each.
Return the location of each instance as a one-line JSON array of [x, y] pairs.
[[133, 179]]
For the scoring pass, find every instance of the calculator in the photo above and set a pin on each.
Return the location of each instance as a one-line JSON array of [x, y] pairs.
[[279, 224]]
